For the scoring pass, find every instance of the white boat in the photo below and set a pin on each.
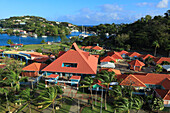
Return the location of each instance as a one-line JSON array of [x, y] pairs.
[[44, 36], [83, 35], [35, 35], [24, 36]]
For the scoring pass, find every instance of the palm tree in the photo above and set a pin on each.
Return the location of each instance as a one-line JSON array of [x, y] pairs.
[[121, 104], [14, 79], [5, 91], [156, 44], [48, 97], [106, 78], [88, 81], [137, 103], [116, 91], [25, 97]]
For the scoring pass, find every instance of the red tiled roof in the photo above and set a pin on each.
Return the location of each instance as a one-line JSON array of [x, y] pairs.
[[160, 60], [41, 59], [152, 78], [122, 76], [53, 76], [136, 63], [133, 81], [117, 72], [110, 53], [83, 47], [97, 48], [145, 56], [164, 93], [166, 83], [88, 47], [75, 77], [34, 67], [123, 52], [107, 59], [116, 55], [1, 50], [132, 54], [86, 63]]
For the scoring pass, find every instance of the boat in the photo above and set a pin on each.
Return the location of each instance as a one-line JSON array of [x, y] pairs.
[[24, 36], [44, 36], [35, 35]]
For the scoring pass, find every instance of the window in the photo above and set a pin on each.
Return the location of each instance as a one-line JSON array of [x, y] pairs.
[[69, 65]]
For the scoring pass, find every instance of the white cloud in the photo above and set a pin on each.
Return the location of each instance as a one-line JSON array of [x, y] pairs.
[[110, 8], [144, 4], [163, 4]]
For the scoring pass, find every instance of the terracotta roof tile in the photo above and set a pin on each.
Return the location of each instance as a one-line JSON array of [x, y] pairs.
[[53, 76], [86, 63], [145, 56], [34, 67], [133, 54], [166, 83], [75, 77], [136, 63], [133, 81], [117, 72], [116, 55], [160, 60], [97, 48], [107, 59], [164, 93], [122, 52]]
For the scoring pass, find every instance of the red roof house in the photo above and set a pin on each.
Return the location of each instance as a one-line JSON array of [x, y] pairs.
[[161, 59], [165, 95], [133, 54], [107, 59], [117, 72], [166, 83], [136, 65], [123, 52], [116, 56], [74, 61], [33, 69], [53, 76], [145, 56], [97, 48]]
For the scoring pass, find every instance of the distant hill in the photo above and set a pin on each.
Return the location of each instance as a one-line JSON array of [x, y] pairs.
[[36, 25]]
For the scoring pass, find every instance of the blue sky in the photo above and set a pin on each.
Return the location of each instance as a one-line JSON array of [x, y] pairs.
[[85, 12]]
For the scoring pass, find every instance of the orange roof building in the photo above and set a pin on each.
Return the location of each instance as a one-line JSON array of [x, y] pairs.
[[123, 52], [73, 62], [97, 48], [107, 59], [116, 71], [161, 59], [165, 95], [132, 55], [136, 65], [144, 57], [116, 56], [149, 79], [33, 69]]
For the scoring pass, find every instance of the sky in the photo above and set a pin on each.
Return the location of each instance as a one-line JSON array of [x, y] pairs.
[[85, 12]]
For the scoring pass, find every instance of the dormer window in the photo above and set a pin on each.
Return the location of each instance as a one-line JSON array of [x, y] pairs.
[[69, 65]]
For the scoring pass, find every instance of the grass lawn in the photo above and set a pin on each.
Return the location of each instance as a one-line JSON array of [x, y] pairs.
[[97, 109]]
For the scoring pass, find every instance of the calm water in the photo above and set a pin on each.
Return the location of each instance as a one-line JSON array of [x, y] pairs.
[[30, 40]]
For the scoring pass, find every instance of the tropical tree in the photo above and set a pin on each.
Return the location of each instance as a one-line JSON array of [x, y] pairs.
[[49, 96], [116, 91], [121, 105], [14, 79], [9, 41], [25, 97], [156, 44], [88, 81], [148, 60], [106, 78], [6, 92], [137, 103], [157, 104]]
